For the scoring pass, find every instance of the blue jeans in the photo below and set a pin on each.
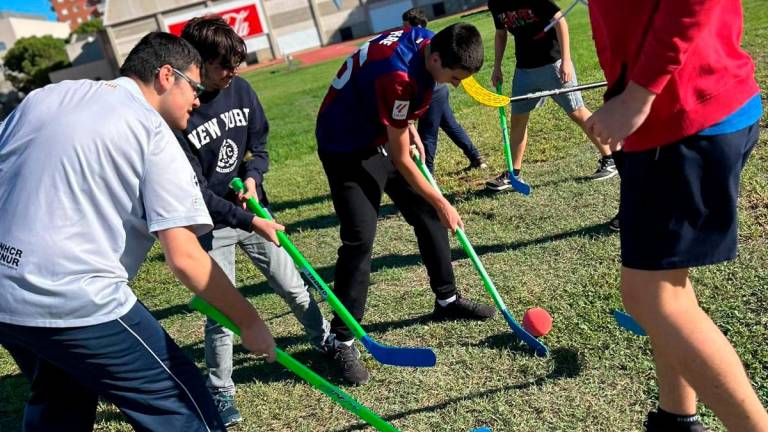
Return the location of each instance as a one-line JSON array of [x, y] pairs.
[[130, 361], [439, 115]]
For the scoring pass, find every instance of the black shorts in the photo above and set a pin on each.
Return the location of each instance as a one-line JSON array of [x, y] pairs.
[[678, 201]]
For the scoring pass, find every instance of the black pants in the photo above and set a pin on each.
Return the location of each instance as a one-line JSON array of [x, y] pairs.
[[439, 115], [357, 182]]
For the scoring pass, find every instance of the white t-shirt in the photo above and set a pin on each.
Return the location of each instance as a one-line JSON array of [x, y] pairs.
[[88, 170]]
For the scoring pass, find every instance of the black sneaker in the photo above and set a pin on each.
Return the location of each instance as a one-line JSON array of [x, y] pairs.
[[346, 358], [225, 404], [500, 183], [606, 169], [614, 223], [658, 422], [477, 162], [462, 309], [326, 347]]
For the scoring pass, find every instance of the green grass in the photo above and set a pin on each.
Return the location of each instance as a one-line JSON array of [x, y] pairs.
[[550, 250]]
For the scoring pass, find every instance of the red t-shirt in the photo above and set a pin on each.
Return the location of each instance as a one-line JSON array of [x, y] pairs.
[[686, 51]]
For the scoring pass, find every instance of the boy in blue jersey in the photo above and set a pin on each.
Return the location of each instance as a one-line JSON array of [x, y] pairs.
[[439, 115], [364, 133]]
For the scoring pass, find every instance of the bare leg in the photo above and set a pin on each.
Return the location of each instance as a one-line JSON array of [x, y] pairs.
[[580, 117], [692, 355], [518, 138]]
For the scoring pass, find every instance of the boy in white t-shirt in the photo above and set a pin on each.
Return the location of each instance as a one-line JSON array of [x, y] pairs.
[[90, 175]]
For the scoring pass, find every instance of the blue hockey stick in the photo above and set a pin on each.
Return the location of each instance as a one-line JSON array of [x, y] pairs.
[[625, 321]]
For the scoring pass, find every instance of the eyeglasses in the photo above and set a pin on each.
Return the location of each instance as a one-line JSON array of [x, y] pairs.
[[197, 88]]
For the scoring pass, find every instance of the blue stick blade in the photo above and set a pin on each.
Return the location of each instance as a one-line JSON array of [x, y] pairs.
[[524, 336], [519, 186], [625, 321], [399, 356]]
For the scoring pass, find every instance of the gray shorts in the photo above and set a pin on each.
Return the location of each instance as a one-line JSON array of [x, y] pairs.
[[539, 79]]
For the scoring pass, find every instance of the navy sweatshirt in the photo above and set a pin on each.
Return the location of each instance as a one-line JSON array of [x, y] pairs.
[[227, 124]]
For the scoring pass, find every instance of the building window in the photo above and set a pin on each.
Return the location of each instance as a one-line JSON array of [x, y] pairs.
[[64, 12], [346, 33]]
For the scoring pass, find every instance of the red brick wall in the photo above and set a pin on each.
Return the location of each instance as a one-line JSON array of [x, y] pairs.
[[74, 12]]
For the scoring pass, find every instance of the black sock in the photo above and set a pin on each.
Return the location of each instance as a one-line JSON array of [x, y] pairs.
[[677, 419], [516, 172], [608, 157]]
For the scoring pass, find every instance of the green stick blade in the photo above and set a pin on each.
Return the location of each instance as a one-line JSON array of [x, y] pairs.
[[337, 395]]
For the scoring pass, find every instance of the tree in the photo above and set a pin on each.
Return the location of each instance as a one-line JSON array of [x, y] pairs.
[[90, 27], [30, 60]]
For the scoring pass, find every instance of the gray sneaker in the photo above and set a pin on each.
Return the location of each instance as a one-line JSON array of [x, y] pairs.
[[477, 163], [606, 169], [225, 403], [500, 183]]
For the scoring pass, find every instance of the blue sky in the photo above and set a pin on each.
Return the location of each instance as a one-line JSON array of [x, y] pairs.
[[36, 7]]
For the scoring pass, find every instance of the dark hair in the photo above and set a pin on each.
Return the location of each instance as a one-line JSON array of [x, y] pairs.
[[460, 47], [215, 39], [416, 17], [155, 50]]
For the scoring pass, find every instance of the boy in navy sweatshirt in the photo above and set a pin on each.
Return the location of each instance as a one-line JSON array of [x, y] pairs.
[[226, 138]]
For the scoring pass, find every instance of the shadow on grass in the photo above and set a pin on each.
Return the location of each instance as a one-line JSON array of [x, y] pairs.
[[155, 258], [292, 204], [331, 220], [386, 326], [565, 360], [409, 260], [14, 391], [395, 261], [249, 368], [566, 364]]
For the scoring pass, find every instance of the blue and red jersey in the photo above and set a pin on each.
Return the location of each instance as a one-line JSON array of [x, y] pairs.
[[385, 82]]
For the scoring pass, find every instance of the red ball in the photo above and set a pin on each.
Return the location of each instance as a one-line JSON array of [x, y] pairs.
[[537, 321]]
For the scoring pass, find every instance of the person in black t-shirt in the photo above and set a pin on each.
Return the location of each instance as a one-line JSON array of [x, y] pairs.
[[543, 62]]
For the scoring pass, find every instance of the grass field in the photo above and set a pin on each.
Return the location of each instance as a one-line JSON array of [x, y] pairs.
[[551, 249]]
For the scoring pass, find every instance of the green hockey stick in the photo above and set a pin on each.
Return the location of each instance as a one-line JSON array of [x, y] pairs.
[[519, 186], [517, 329], [336, 394], [395, 356]]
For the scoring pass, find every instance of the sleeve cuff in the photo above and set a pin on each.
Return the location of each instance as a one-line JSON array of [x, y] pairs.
[[199, 224], [243, 220], [256, 176]]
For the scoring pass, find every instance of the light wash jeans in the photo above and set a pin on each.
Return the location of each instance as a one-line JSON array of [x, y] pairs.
[[276, 265]]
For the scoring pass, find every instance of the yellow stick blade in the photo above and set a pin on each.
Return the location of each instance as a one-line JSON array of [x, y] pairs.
[[480, 94]]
